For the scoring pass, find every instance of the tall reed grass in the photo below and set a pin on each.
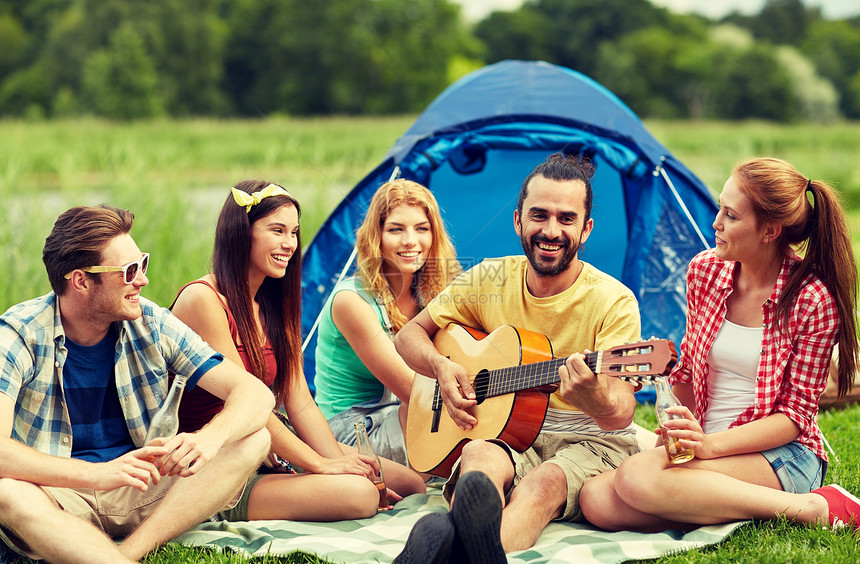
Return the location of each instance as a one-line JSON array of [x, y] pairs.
[[174, 175]]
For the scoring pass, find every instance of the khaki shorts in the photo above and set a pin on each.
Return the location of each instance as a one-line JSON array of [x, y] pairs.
[[239, 511], [117, 512], [580, 457]]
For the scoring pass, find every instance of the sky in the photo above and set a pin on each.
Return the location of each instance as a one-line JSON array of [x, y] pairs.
[[833, 9]]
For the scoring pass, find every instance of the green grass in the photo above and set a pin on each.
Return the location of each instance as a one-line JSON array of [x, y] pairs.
[[779, 540], [175, 175], [775, 541]]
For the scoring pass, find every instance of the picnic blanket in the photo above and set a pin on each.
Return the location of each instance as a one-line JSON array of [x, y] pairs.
[[382, 537]]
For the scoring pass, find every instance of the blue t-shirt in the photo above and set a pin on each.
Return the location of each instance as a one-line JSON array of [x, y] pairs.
[[99, 431]]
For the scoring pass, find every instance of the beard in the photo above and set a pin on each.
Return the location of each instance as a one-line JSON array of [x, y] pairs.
[[544, 267], [106, 306]]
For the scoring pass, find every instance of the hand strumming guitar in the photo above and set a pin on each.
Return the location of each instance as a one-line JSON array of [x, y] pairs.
[[457, 393]]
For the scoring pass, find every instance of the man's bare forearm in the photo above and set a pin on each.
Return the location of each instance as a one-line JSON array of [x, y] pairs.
[[246, 410], [413, 344]]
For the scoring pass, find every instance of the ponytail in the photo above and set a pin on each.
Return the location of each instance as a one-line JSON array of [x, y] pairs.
[[814, 223], [829, 255]]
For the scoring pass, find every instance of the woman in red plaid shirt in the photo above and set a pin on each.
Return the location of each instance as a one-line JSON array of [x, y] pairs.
[[762, 322]]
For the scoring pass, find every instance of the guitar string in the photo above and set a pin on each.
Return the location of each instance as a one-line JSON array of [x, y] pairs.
[[521, 377], [509, 379], [514, 378]]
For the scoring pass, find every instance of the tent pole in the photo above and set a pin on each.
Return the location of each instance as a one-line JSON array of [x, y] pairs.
[[319, 316], [394, 174], [660, 170], [830, 448]]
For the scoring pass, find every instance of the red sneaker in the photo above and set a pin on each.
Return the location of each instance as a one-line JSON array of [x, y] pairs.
[[844, 507]]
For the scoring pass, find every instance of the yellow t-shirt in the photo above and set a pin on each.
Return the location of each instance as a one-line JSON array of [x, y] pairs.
[[595, 313]]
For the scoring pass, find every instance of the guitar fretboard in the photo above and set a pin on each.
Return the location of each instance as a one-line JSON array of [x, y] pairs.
[[535, 375], [501, 381]]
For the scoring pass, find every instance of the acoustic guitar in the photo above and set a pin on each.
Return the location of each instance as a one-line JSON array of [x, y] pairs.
[[514, 373]]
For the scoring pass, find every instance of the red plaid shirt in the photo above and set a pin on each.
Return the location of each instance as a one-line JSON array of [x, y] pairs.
[[795, 359]]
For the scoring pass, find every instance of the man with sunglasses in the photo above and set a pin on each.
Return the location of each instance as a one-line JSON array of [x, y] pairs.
[[82, 371]]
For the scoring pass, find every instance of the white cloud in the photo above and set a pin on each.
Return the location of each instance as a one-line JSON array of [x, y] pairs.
[[835, 9], [474, 10]]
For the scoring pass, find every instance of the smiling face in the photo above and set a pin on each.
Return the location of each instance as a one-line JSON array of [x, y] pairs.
[[112, 299], [407, 238], [274, 239], [552, 226], [739, 234]]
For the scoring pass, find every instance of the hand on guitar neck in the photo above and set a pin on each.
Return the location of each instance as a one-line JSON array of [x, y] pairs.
[[592, 392], [511, 372]]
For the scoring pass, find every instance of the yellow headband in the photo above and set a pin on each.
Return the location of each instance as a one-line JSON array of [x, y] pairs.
[[251, 200]]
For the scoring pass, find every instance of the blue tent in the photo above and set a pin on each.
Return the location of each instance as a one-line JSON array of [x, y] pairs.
[[477, 141]]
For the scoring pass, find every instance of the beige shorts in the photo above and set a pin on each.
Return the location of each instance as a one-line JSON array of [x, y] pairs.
[[117, 512], [239, 510], [580, 457]]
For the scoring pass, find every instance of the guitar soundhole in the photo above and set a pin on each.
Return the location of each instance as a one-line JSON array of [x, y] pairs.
[[481, 385]]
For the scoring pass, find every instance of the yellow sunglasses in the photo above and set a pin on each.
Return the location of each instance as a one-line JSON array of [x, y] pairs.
[[129, 271]]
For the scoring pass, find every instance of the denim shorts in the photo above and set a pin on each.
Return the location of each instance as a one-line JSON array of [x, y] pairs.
[[382, 421], [798, 469]]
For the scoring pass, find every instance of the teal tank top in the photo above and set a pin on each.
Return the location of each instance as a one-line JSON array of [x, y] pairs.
[[341, 379]]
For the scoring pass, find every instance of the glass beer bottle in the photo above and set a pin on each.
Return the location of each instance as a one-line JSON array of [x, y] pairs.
[[362, 442], [665, 399], [165, 422]]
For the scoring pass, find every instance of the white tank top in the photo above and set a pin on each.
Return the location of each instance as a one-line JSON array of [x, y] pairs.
[[733, 361]]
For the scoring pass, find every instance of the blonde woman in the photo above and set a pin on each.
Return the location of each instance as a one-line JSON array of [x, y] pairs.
[[405, 258]]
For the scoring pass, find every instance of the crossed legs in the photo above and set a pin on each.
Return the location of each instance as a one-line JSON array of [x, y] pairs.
[[57, 536], [480, 528], [49, 532], [539, 497], [198, 497], [648, 494]]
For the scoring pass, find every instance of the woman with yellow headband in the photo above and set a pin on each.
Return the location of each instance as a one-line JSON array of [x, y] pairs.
[[249, 309]]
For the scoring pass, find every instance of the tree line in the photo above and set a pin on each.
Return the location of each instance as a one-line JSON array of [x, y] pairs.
[[128, 59]]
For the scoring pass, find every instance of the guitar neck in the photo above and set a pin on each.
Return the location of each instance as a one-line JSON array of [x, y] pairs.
[[535, 375]]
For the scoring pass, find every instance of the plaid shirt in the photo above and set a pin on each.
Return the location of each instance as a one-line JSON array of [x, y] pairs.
[[33, 352], [795, 358]]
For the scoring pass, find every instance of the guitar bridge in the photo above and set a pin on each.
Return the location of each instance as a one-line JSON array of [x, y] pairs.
[[437, 410]]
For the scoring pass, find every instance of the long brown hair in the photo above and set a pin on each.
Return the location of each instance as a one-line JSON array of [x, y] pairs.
[[816, 227], [279, 298], [438, 270]]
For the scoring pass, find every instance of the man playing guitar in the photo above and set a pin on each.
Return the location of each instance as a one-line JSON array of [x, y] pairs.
[[502, 499]]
